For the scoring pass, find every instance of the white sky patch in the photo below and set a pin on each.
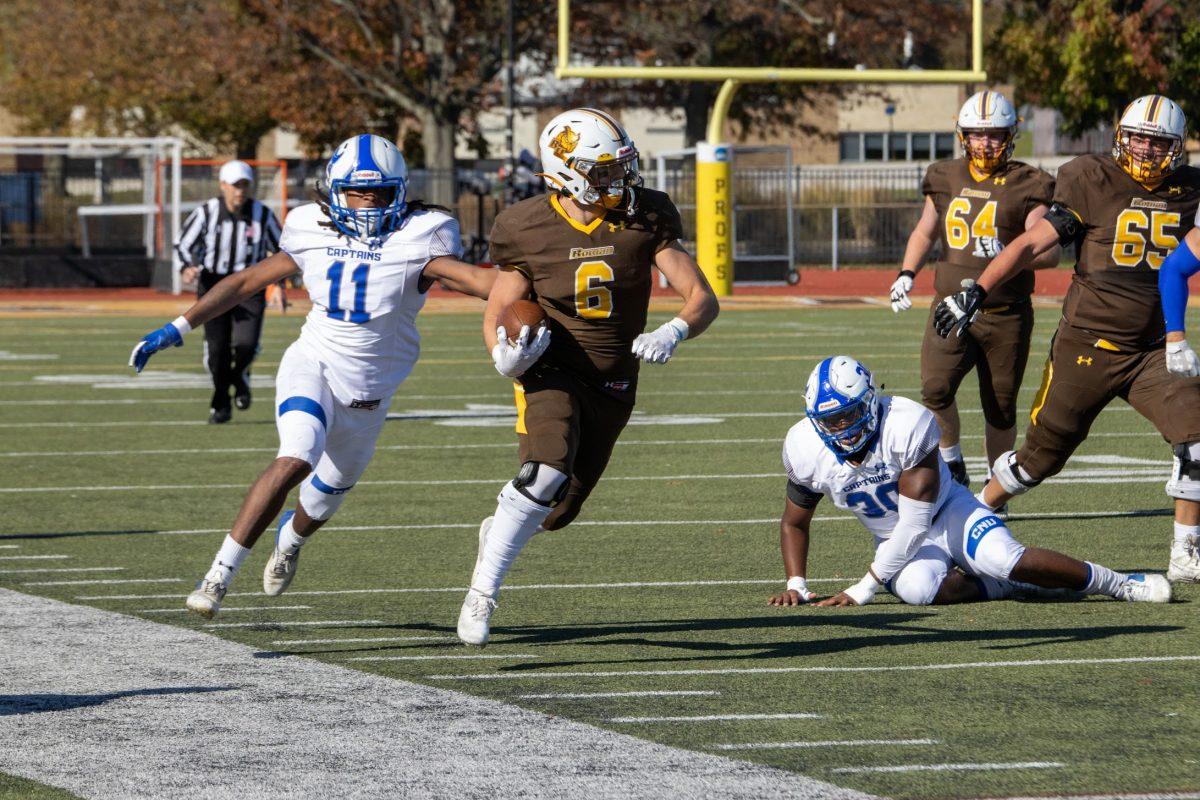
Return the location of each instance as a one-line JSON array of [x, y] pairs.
[[826, 743], [713, 718], [952, 767], [154, 692]]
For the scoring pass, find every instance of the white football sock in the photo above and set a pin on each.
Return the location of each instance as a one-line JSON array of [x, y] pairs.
[[1103, 580], [289, 541], [1184, 533], [229, 558], [951, 453], [516, 519]]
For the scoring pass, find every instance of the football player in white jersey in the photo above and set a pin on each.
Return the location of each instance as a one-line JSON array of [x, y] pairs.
[[367, 255], [878, 458]]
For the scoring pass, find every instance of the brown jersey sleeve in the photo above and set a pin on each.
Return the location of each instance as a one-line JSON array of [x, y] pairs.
[[1073, 187], [503, 249], [1041, 191], [663, 219], [934, 183]]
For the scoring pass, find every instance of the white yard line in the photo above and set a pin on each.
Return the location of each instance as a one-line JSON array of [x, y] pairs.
[[59, 569], [828, 743], [224, 609], [951, 767], [1150, 796], [10, 547], [293, 624], [1042, 662], [713, 718], [72, 711], [446, 656], [618, 695], [363, 639], [33, 558], [109, 581]]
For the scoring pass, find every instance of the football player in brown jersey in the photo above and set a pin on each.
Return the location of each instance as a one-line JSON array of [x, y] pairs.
[[1125, 213], [973, 206], [584, 252]]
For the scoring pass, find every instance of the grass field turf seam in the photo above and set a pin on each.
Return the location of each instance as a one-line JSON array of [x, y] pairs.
[[1030, 714]]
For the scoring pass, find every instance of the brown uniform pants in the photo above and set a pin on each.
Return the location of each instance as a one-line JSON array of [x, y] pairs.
[[996, 346], [1082, 376], [568, 425]]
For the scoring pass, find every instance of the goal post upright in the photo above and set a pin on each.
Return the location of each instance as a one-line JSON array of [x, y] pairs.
[[714, 211]]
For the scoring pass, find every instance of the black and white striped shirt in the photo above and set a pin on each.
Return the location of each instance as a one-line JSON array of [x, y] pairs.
[[220, 242]]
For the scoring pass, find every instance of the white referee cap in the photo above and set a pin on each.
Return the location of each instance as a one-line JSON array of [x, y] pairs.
[[234, 171]]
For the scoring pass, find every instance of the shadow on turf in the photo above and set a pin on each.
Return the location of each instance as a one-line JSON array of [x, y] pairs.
[[14, 704], [71, 534]]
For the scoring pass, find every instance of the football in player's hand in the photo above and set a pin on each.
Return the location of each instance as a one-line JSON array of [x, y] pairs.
[[522, 312]]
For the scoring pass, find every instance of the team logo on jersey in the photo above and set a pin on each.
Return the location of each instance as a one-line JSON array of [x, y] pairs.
[[1085, 362], [613, 227], [979, 530], [617, 386], [591, 252], [564, 143], [1000, 181], [1175, 190]]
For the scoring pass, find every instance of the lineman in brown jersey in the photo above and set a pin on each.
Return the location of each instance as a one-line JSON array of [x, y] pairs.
[[973, 206], [1125, 213], [585, 253]]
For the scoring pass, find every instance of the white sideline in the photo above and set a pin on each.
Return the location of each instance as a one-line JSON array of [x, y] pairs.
[[828, 743], [713, 718], [617, 695], [1150, 796], [951, 767], [1041, 662], [161, 711]]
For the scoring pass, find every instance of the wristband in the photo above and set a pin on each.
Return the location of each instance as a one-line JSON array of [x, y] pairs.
[[907, 273], [183, 326], [798, 584], [863, 591], [680, 328]]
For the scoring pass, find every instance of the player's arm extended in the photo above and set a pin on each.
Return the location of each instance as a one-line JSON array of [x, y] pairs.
[[700, 306], [918, 490], [1173, 276], [1051, 257], [510, 285], [1034, 242], [921, 240], [459, 276], [793, 544]]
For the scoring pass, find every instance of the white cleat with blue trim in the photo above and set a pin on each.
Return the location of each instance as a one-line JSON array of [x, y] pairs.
[[1140, 588], [474, 619], [206, 599], [281, 566], [1185, 562]]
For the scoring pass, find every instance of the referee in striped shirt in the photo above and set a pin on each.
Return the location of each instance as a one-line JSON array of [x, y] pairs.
[[224, 235]]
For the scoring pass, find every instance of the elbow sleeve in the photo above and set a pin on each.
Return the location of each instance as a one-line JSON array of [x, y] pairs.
[[1173, 286], [898, 549], [1066, 222]]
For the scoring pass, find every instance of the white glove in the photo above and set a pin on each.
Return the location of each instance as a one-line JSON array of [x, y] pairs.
[[987, 247], [512, 360], [1181, 360], [900, 290], [657, 346]]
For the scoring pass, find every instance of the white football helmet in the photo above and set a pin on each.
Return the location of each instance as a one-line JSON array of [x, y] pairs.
[[1157, 116], [587, 155], [987, 111], [842, 403], [361, 162]]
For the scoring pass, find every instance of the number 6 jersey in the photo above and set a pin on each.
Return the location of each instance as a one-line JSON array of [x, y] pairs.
[[967, 208], [593, 280], [362, 325], [1128, 229], [907, 434]]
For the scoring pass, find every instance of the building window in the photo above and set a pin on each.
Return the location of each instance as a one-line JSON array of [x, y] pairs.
[[902, 146], [873, 147], [944, 146], [898, 147], [850, 147]]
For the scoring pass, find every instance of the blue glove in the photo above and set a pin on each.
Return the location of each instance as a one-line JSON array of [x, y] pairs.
[[166, 336]]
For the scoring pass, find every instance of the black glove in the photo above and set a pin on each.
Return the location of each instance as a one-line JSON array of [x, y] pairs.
[[958, 310]]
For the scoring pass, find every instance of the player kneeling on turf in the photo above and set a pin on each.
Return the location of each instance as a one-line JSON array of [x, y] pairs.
[[878, 458], [367, 257]]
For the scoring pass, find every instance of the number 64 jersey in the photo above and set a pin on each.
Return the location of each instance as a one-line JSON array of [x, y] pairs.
[[907, 434], [362, 325]]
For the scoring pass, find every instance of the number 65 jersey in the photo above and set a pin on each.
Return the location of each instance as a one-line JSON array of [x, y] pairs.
[[362, 325], [907, 434]]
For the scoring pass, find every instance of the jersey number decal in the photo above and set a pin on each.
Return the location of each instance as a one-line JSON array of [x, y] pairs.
[[1143, 236], [593, 300], [958, 232], [876, 503], [359, 314]]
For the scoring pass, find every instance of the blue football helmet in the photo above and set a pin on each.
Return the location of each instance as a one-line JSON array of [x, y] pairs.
[[842, 404], [362, 162]]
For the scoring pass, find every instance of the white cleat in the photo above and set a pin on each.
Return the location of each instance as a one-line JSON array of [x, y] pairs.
[[473, 627], [206, 599], [1185, 562], [1139, 588], [280, 569]]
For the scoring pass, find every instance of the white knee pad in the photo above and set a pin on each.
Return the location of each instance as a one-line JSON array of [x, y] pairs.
[[301, 424], [1185, 475], [1011, 475], [321, 500], [991, 549], [540, 483], [918, 582]]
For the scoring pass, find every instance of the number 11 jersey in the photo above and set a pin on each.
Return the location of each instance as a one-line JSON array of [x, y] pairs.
[[593, 280], [362, 325]]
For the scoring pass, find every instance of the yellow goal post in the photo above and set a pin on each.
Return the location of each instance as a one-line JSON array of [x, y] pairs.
[[714, 229]]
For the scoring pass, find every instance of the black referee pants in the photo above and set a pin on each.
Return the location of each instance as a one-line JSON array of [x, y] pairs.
[[231, 343]]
